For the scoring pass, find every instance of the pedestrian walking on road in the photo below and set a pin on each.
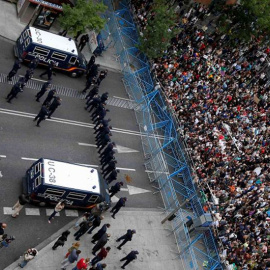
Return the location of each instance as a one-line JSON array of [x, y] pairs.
[[101, 255], [16, 66], [84, 227], [49, 71], [112, 176], [96, 223], [72, 257], [126, 237], [82, 264], [92, 93], [100, 124], [61, 240], [18, 206], [2, 230], [54, 105], [59, 207], [129, 258], [108, 148], [121, 203], [102, 76], [41, 115], [29, 255], [14, 92], [45, 87], [111, 166], [115, 188], [49, 97], [84, 39], [101, 243], [99, 234]]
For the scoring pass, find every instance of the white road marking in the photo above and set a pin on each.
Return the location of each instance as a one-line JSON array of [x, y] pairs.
[[2, 156], [39, 80], [122, 149], [7, 210], [25, 158], [32, 212], [125, 169], [87, 144], [122, 98], [77, 123], [114, 199], [135, 190], [1, 175], [124, 189], [71, 213]]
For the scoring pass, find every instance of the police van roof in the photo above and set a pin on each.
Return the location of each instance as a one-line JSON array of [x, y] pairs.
[[68, 175], [54, 41]]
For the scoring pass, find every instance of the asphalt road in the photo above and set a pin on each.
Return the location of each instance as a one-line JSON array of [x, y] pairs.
[[67, 137]]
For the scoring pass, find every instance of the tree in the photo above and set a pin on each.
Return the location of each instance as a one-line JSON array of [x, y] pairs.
[[245, 20], [85, 15], [159, 31]]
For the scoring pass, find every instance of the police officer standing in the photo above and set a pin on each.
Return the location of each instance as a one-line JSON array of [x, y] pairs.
[[112, 176], [45, 87], [14, 92], [93, 92], [84, 39], [28, 75], [101, 123], [115, 188], [102, 76], [49, 71], [16, 66], [34, 63], [49, 97], [41, 115], [91, 62], [118, 206], [54, 105], [111, 166]]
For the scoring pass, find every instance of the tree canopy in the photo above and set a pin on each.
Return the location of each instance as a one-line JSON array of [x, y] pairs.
[[159, 31], [245, 20], [85, 15]]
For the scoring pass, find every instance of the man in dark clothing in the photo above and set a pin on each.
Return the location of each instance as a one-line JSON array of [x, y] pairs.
[[103, 230], [54, 105], [93, 71], [41, 115], [106, 159], [101, 255], [118, 206], [101, 115], [126, 237], [115, 188], [84, 227], [2, 227], [49, 97], [101, 123], [129, 258], [98, 110], [88, 84], [93, 92], [102, 76], [16, 66], [91, 62], [28, 75], [112, 176], [109, 147], [96, 223], [14, 92], [84, 39], [94, 103], [22, 82], [18, 206], [61, 240], [45, 87], [49, 71], [34, 63], [111, 166], [102, 132], [104, 97], [101, 243]]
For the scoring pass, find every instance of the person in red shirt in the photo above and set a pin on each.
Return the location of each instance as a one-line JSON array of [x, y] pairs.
[[82, 264], [101, 255]]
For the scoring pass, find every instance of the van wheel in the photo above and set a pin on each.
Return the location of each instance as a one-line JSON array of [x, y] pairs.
[[42, 204], [75, 74]]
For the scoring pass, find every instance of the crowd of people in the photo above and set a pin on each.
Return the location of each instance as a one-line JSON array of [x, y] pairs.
[[220, 97]]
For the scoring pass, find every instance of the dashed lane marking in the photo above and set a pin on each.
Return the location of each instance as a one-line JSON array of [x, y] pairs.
[[2, 156]]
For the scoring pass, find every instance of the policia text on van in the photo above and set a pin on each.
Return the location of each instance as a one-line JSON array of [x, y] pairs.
[[50, 48], [49, 181]]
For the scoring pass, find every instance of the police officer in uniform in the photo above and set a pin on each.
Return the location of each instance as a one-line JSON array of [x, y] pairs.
[[14, 92], [54, 105], [16, 66], [102, 76], [45, 87], [49, 71], [115, 188], [112, 176], [93, 92], [41, 115], [49, 97]]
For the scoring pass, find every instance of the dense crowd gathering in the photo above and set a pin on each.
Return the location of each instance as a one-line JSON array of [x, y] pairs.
[[220, 95]]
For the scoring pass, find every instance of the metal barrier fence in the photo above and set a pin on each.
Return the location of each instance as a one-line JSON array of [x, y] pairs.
[[167, 162]]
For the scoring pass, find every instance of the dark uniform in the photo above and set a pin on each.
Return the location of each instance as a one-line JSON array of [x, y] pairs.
[[49, 97], [94, 103], [100, 107], [103, 131], [93, 92], [28, 75], [96, 223], [91, 62], [98, 235], [106, 159], [109, 147], [101, 115], [41, 115], [54, 105], [104, 97], [84, 39], [49, 71], [84, 227], [16, 66], [61, 240], [45, 87], [111, 166], [129, 258], [102, 76], [101, 123], [14, 92], [117, 207], [34, 63], [115, 188], [101, 144], [112, 176], [22, 82], [126, 237], [101, 243]]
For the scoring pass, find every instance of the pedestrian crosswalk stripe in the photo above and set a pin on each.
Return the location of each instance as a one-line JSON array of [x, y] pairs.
[[70, 92], [7, 210], [32, 212], [71, 213]]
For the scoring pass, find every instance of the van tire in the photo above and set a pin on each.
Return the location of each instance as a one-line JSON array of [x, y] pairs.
[[75, 74], [42, 204]]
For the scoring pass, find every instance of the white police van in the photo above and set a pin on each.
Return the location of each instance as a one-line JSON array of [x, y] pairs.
[[48, 181], [50, 48]]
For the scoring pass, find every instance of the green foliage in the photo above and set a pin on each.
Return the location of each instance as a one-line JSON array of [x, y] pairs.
[[85, 15], [159, 30], [247, 20]]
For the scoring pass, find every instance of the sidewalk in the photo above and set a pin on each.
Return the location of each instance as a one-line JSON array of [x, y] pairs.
[[11, 28], [157, 250]]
